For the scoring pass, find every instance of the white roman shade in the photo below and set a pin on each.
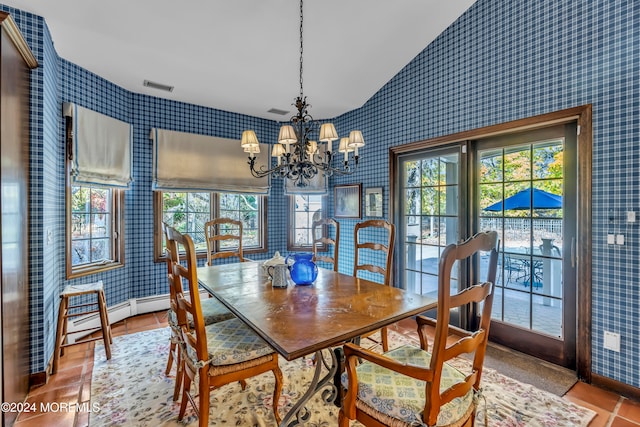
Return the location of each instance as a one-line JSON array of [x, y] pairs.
[[317, 185], [102, 151], [190, 162]]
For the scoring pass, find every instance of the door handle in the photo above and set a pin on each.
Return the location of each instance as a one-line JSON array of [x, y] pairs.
[[573, 252]]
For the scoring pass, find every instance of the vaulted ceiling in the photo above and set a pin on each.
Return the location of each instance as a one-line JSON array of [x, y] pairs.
[[244, 55]]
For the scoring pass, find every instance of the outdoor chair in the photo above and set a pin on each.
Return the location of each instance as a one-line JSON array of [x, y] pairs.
[[512, 269], [411, 386]]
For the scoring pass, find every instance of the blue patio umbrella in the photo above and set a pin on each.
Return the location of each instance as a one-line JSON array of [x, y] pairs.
[[522, 200]]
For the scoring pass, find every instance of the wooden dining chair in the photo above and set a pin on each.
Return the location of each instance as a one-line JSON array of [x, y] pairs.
[[212, 311], [216, 354], [224, 239], [321, 232], [411, 386], [374, 242]]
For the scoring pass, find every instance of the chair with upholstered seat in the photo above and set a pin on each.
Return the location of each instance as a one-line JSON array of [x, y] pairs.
[[409, 386], [216, 354], [321, 236], [212, 311], [374, 242], [224, 239]]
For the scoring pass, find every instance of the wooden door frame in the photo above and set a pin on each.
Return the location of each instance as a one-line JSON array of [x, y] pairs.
[[583, 117], [16, 60]]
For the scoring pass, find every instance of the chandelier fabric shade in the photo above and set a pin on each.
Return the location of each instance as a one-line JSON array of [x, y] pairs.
[[355, 139], [249, 139], [328, 134], [296, 157], [344, 146], [287, 135]]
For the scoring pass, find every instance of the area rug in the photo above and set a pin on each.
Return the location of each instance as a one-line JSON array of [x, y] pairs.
[[131, 389]]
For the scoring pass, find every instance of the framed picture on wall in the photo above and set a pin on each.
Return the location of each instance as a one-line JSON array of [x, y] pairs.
[[373, 201], [347, 201]]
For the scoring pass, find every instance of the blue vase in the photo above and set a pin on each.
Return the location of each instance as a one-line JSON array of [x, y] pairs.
[[303, 270]]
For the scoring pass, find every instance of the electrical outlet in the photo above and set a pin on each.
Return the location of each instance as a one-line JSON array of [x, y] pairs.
[[612, 341]]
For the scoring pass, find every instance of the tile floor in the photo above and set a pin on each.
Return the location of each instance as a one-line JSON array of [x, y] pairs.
[[72, 384]]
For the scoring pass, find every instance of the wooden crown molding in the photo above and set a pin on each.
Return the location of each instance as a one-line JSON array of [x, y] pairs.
[[15, 35]]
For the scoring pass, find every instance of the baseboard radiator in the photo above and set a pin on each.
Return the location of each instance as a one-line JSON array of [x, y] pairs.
[[118, 312]]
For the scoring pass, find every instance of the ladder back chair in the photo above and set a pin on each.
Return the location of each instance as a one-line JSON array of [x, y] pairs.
[[212, 311], [221, 234], [216, 354], [433, 393], [380, 254], [318, 229]]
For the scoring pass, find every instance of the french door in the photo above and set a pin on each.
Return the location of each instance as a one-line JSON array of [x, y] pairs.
[[520, 185], [526, 190]]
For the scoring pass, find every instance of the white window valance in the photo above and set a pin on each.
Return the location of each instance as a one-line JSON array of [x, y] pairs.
[[191, 162], [102, 151]]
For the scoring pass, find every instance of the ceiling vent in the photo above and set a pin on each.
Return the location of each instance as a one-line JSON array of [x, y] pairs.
[[158, 86], [278, 111]]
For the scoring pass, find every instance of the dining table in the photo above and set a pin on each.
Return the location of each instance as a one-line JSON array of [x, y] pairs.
[[315, 319]]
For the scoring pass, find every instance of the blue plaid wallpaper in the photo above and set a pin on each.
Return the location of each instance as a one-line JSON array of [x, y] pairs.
[[503, 61], [500, 61]]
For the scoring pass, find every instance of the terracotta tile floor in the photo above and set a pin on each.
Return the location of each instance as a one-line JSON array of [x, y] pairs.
[[72, 384]]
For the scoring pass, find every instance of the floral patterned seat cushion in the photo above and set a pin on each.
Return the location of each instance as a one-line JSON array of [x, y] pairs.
[[213, 311], [402, 397], [231, 342]]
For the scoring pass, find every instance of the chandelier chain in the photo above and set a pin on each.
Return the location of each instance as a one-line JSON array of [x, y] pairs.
[[301, 49], [299, 160]]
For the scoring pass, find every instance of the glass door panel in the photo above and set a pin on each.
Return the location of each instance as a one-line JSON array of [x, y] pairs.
[[521, 197], [523, 182], [430, 205]]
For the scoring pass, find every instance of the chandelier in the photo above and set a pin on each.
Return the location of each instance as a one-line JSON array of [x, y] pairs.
[[297, 156]]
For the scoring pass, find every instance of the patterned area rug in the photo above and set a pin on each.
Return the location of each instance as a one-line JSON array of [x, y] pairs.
[[131, 389]]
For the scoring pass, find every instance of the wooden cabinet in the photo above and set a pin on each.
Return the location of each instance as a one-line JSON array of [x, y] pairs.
[[16, 60]]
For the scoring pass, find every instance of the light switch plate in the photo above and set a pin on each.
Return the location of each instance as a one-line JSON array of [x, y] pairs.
[[631, 216]]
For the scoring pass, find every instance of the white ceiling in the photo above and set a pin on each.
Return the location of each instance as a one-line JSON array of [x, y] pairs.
[[243, 55]]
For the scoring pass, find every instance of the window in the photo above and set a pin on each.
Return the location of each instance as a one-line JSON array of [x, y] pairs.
[[304, 209], [187, 212], [94, 230], [95, 188]]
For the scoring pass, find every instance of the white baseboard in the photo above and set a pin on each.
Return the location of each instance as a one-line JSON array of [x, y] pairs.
[[116, 313]]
